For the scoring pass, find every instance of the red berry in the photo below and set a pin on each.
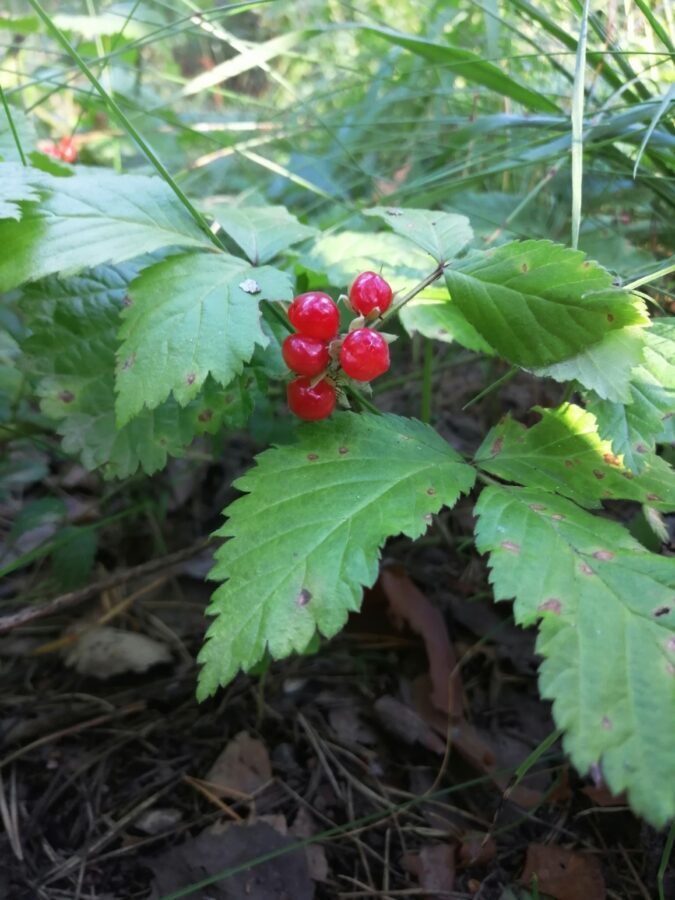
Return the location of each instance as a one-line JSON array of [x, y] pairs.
[[50, 148], [305, 355], [315, 315], [67, 150], [368, 291], [364, 354], [309, 402]]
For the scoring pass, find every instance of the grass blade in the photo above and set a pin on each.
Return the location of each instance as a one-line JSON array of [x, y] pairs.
[[578, 126], [123, 120], [15, 133], [665, 103]]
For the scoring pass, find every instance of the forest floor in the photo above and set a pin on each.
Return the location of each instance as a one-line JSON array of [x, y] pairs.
[[411, 756]]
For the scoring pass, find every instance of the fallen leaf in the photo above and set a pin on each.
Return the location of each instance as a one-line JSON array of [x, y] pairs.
[[304, 827], [564, 874], [243, 767], [284, 877], [409, 605], [349, 728], [405, 724], [476, 849], [434, 868], [104, 652]]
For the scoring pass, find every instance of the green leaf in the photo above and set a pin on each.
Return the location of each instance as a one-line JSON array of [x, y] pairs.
[[17, 183], [441, 234], [605, 367], [433, 314], [467, 65], [606, 634], [636, 427], [305, 538], [189, 316], [91, 218], [71, 350], [262, 232], [342, 256], [73, 556], [564, 453], [537, 303]]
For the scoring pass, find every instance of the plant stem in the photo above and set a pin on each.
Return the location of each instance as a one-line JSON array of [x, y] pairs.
[[491, 387], [427, 375], [435, 275], [12, 127], [358, 396]]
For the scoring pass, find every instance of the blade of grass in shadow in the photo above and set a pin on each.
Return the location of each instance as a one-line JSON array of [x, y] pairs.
[[663, 106], [124, 121], [470, 65], [659, 30], [578, 126]]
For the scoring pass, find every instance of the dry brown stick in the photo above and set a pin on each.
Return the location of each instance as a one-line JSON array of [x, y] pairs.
[[74, 598]]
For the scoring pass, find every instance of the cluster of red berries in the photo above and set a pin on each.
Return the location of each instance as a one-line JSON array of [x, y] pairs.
[[322, 358], [65, 150]]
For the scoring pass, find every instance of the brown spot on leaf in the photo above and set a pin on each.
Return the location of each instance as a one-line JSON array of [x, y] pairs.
[[598, 474], [603, 554], [628, 475], [552, 605], [442, 330], [343, 450], [497, 446], [537, 507], [431, 491], [312, 457], [205, 415], [568, 463], [641, 448], [661, 611], [607, 723], [303, 597], [586, 265], [611, 459], [655, 498], [558, 517], [129, 361], [126, 300], [510, 546], [191, 377], [610, 317], [524, 267], [586, 569], [66, 396]]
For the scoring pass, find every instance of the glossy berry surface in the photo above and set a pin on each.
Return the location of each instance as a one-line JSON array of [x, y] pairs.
[[311, 403], [364, 354], [305, 355], [315, 314], [368, 291]]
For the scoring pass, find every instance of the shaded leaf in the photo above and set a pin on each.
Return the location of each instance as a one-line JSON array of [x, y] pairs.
[[562, 873], [468, 65], [564, 453], [305, 539], [71, 350], [606, 632]]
